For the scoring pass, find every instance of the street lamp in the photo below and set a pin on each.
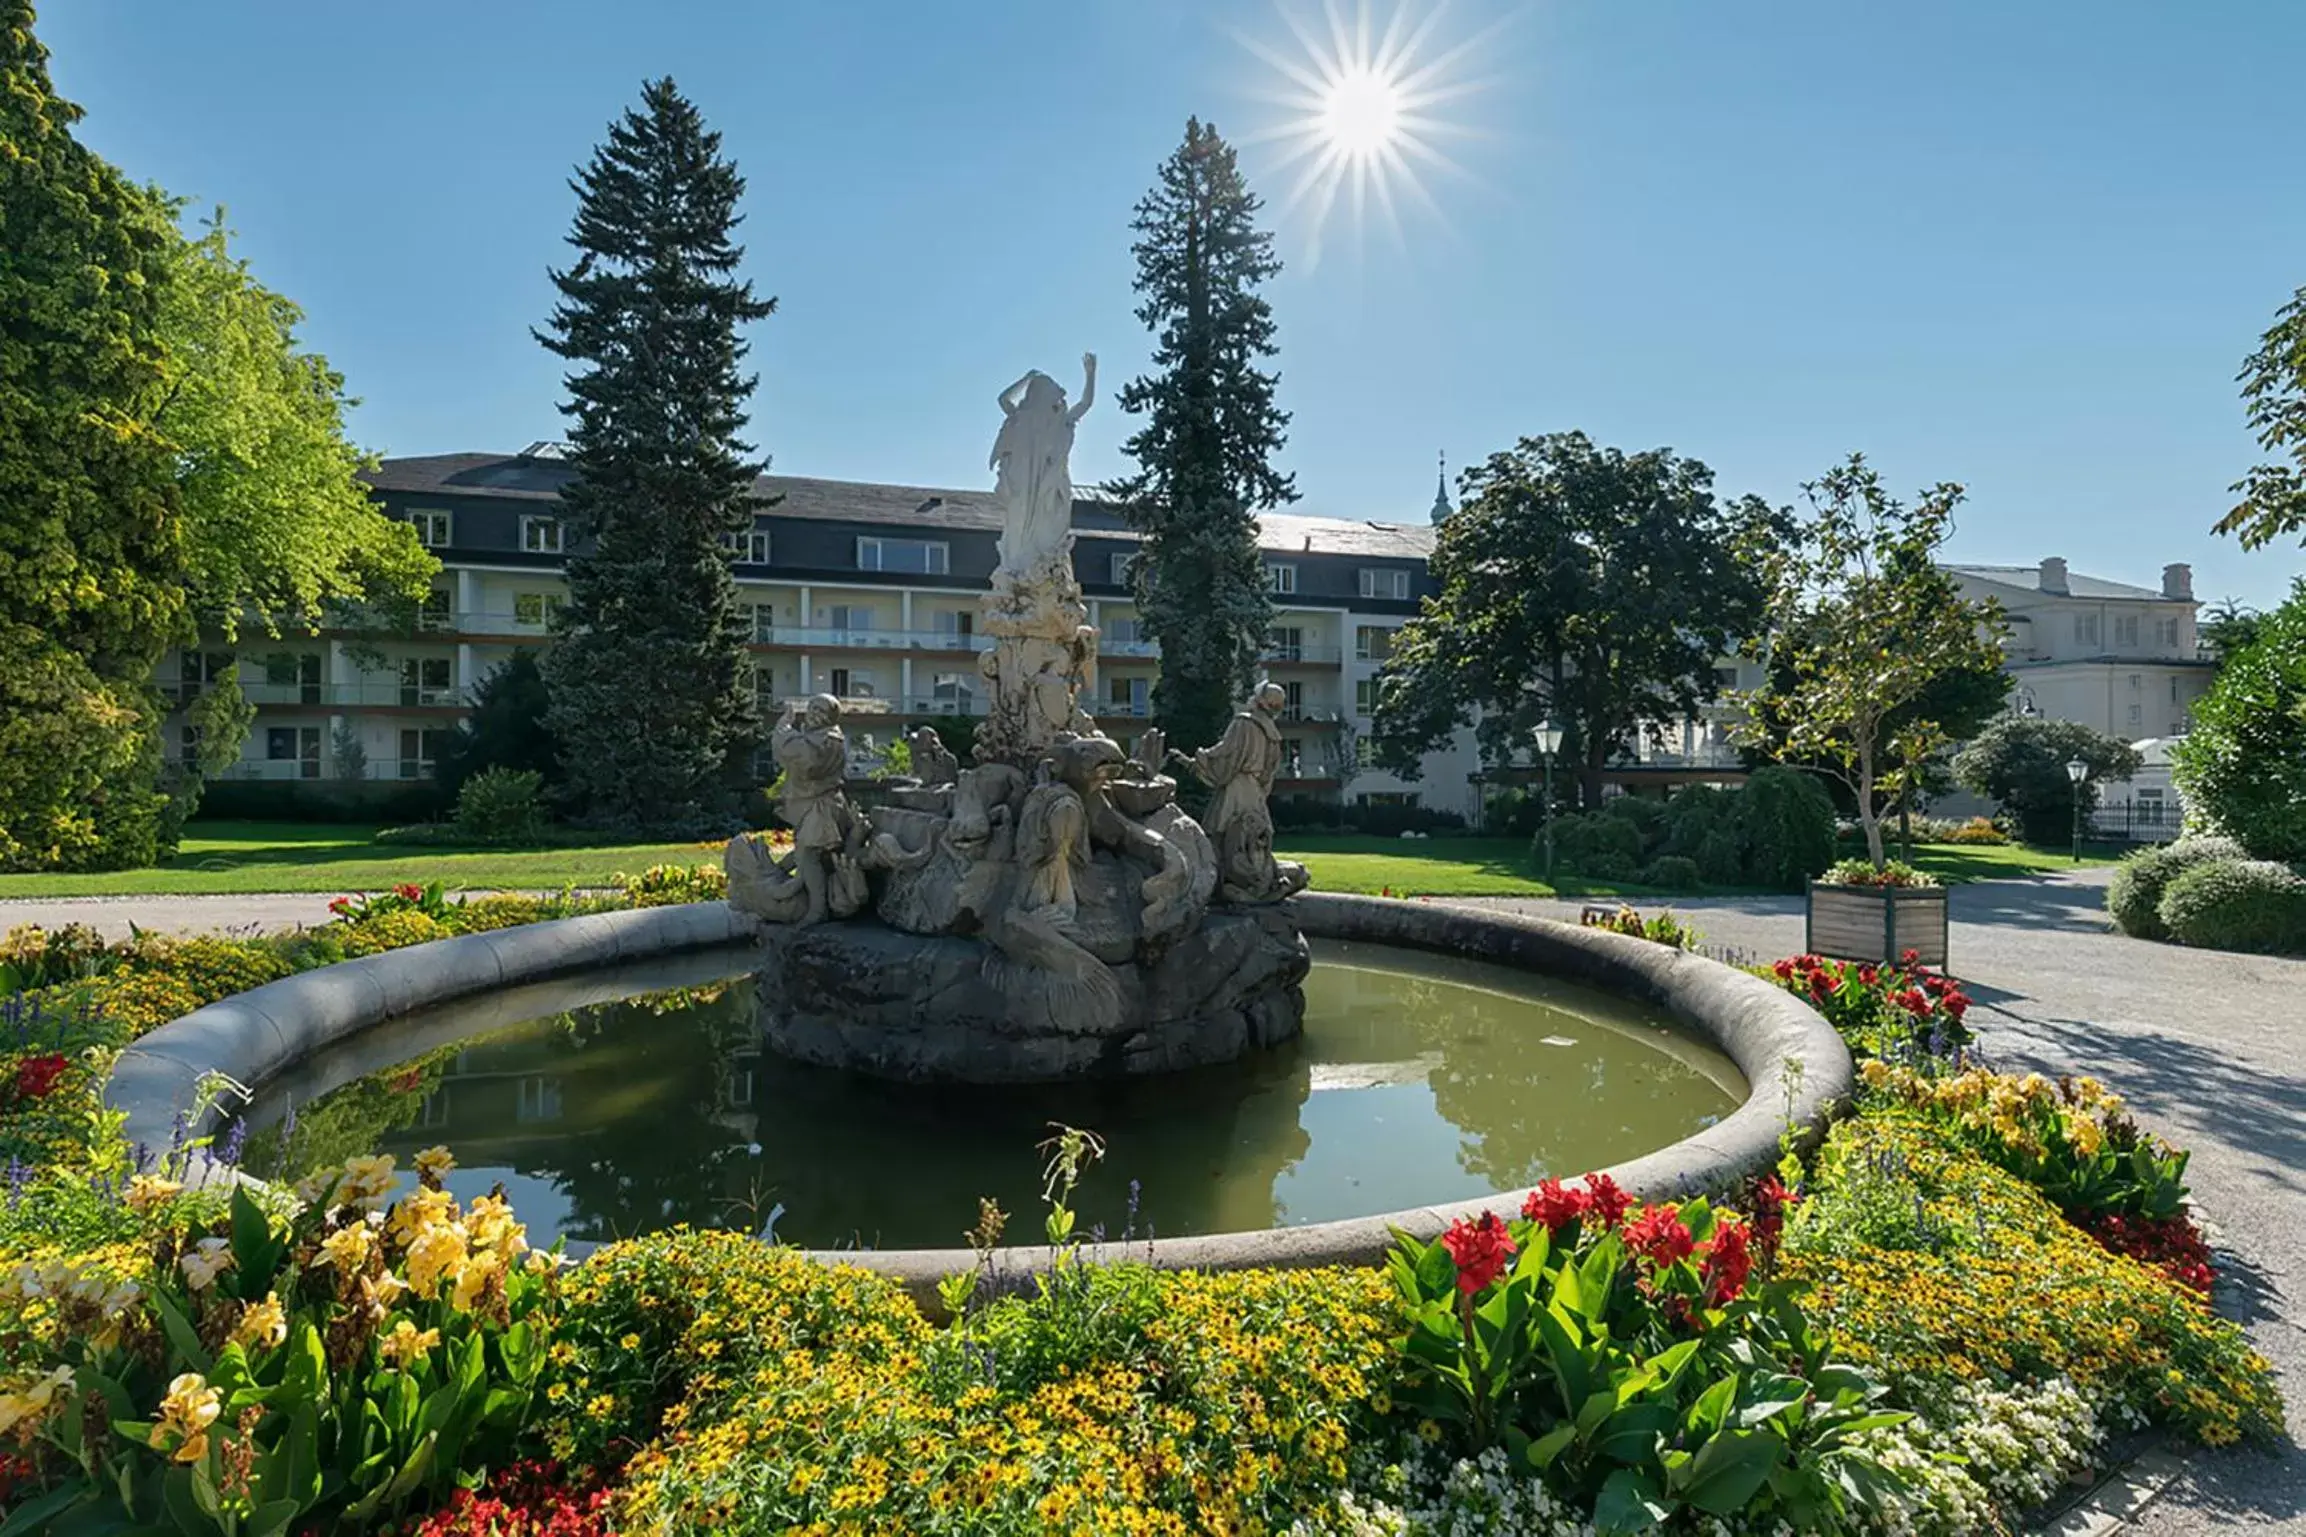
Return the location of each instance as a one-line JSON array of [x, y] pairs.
[[1548, 737], [2077, 771]]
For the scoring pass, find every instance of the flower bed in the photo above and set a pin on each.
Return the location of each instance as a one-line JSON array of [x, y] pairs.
[[1956, 1302]]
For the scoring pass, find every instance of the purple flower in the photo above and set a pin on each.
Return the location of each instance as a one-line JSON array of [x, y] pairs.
[[235, 1144]]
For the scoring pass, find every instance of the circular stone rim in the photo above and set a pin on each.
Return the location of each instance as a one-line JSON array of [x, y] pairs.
[[1797, 1068]]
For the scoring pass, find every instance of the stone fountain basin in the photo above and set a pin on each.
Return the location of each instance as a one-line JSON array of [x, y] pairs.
[[1796, 1067]]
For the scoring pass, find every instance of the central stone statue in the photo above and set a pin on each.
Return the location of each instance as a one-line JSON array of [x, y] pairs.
[[1049, 911]]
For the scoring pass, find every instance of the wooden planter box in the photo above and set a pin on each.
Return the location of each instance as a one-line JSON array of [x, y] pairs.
[[1877, 923]]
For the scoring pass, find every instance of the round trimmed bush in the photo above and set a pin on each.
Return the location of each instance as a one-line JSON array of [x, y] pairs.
[[2135, 896], [1787, 822], [1647, 816], [1595, 845], [1675, 872], [1721, 858], [2237, 904]]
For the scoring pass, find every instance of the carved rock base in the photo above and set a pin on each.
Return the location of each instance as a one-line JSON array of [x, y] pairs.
[[866, 997]]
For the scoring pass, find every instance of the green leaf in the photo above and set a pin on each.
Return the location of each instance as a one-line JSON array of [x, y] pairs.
[[271, 1520], [1631, 1434], [1565, 1353], [1597, 1407], [182, 1507], [1768, 1396], [1629, 1503], [1711, 1411], [255, 1252], [1552, 1444], [1726, 1471], [37, 1514], [1436, 1272], [182, 1337], [1669, 1363]]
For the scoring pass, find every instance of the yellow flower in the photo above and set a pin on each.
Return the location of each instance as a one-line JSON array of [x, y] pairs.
[[148, 1191], [367, 1178], [308, 1189], [189, 1409], [1875, 1071], [437, 1254], [1429, 1432], [407, 1343], [490, 1220], [420, 1209], [29, 1404], [472, 1281], [262, 1326], [434, 1162], [208, 1259], [2086, 1135], [379, 1293], [630, 1342], [348, 1248]]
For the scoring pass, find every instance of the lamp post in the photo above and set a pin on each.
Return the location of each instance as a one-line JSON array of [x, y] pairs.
[[1548, 737], [2077, 771]]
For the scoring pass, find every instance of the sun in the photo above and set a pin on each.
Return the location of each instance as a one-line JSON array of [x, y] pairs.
[[1363, 110]]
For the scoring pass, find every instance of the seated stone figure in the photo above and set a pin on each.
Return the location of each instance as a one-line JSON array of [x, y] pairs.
[[1241, 769]]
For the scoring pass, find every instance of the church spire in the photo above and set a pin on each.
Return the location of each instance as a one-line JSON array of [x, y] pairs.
[[1441, 507]]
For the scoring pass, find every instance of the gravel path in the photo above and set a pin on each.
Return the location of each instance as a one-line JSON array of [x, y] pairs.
[[2209, 1048]]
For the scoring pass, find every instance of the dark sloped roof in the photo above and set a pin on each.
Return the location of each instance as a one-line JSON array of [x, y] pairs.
[[523, 478], [2029, 579]]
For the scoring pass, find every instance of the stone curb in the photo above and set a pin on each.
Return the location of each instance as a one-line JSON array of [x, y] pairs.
[[2116, 1503], [1793, 1062], [263, 1032]]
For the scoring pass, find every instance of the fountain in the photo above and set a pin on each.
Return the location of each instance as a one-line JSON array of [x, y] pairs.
[[1050, 912]]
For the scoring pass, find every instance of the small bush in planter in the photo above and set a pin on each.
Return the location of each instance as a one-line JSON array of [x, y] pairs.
[[2135, 896], [2237, 904], [1861, 872]]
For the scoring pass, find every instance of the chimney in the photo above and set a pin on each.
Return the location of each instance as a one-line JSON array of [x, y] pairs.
[[2178, 581], [2054, 575]]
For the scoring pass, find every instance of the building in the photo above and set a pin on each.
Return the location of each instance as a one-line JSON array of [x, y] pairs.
[[2120, 659], [867, 592]]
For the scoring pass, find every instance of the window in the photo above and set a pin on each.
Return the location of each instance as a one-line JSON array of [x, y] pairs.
[[536, 610], [2086, 630], [299, 745], [1725, 677], [2126, 630], [1285, 643], [2137, 714], [852, 683], [1377, 582], [2136, 682], [845, 617], [188, 739], [765, 691], [953, 693], [201, 669], [432, 527], [420, 751], [1129, 696], [1364, 753], [540, 536], [1124, 569], [427, 680], [300, 673], [923, 557], [750, 548], [2168, 631], [1125, 632], [436, 614], [1280, 578], [1386, 798], [539, 1099], [1372, 642], [1292, 760], [761, 622], [1293, 706], [2173, 690], [1365, 697], [954, 627]]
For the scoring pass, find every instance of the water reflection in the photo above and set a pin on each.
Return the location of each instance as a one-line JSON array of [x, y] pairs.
[[1418, 1080]]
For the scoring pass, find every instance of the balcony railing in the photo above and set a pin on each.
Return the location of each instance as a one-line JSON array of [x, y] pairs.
[[375, 692], [1315, 656]]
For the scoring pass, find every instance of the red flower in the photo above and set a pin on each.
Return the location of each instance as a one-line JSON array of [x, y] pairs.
[[341, 906], [1728, 1261], [1480, 1247], [1910, 958], [1957, 1004], [36, 1076], [1868, 975], [1605, 1201], [1555, 1205], [1785, 970], [408, 893], [1660, 1236]]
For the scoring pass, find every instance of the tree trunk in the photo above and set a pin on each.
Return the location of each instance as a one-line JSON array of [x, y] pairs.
[[1589, 774], [1869, 815]]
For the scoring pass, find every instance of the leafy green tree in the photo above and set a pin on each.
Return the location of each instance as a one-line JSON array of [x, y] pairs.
[[507, 727], [2020, 762], [2273, 383], [277, 521], [1580, 583], [649, 695], [92, 551], [2228, 627], [1205, 453], [1861, 622], [2243, 766]]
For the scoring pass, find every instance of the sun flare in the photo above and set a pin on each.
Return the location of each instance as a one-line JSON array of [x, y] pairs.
[[1361, 113]]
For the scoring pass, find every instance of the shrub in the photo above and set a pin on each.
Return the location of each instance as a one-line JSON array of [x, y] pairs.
[[2019, 762], [1696, 813], [1721, 859], [501, 805], [392, 931], [1647, 816], [504, 910], [1673, 872], [2135, 895], [671, 885], [2237, 904], [1861, 872], [1786, 824], [1976, 832], [1904, 1012], [2243, 765], [1595, 845], [1663, 928]]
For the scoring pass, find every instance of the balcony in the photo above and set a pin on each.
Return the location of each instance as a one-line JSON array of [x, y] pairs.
[[1301, 656], [856, 707], [1108, 646], [374, 693]]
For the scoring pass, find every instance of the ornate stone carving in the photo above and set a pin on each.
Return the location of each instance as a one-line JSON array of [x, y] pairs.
[[933, 762], [1241, 768]]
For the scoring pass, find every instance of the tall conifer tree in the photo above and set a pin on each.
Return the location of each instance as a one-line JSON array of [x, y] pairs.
[[650, 702], [1204, 455]]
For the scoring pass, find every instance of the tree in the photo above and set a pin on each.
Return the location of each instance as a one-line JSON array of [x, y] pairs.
[[2020, 763], [2243, 766], [649, 696], [1205, 453], [507, 727], [1584, 584], [1861, 622], [2273, 381], [2228, 627], [92, 551], [277, 521]]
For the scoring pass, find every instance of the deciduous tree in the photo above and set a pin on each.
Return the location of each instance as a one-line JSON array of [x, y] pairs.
[[1205, 453], [2273, 380], [650, 703], [2020, 763], [1580, 583], [2242, 768]]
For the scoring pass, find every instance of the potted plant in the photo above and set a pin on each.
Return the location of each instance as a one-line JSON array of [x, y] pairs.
[[1859, 912]]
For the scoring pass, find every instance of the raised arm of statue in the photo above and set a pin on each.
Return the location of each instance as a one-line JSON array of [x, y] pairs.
[[1088, 387]]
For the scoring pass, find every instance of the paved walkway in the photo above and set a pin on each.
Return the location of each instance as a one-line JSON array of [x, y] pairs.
[[2209, 1048]]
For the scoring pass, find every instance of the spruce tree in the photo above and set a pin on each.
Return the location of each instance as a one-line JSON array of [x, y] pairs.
[[1204, 455], [650, 700]]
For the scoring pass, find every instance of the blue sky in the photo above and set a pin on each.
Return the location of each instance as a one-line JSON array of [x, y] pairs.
[[2024, 247]]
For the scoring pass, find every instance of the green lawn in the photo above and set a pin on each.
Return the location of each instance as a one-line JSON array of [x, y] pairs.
[[294, 856], [230, 857]]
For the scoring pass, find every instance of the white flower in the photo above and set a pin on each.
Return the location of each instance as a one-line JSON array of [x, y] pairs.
[[209, 1258]]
